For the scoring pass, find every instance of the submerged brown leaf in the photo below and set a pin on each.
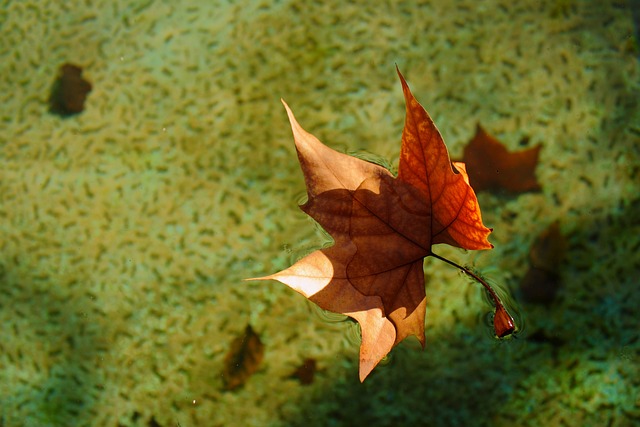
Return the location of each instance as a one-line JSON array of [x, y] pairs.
[[243, 359], [69, 91], [305, 373]]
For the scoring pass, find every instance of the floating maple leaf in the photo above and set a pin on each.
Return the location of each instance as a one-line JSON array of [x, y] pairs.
[[383, 227], [492, 167]]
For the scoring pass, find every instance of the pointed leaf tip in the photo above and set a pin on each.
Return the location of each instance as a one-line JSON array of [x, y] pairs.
[[405, 86], [286, 107]]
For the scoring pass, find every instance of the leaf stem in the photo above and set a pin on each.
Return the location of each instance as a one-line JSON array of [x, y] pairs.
[[503, 323]]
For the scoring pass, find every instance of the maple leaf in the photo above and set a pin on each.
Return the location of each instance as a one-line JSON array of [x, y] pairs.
[[383, 227], [492, 167]]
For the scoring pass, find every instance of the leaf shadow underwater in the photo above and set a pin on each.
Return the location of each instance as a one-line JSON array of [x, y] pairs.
[[60, 329], [462, 378]]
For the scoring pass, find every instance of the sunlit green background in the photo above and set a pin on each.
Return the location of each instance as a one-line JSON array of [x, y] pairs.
[[126, 230]]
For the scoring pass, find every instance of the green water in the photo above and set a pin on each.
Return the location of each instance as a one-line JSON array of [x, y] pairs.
[[126, 229]]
